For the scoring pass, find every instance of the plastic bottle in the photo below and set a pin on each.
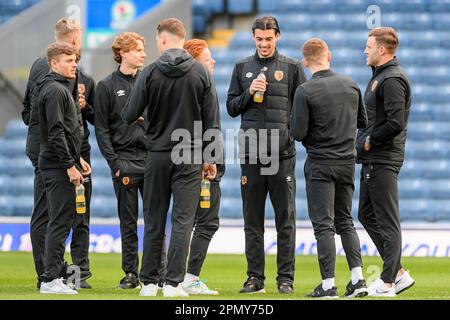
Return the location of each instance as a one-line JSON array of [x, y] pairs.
[[80, 199], [259, 95], [205, 194]]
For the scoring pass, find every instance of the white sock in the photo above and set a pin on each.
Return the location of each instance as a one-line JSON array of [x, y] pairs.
[[357, 275], [190, 278], [327, 284]]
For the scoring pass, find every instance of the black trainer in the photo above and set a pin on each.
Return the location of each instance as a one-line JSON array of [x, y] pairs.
[[285, 288], [358, 290], [130, 281], [253, 285], [320, 293], [84, 285]]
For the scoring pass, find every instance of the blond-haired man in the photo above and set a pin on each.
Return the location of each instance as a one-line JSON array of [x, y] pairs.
[[327, 111]]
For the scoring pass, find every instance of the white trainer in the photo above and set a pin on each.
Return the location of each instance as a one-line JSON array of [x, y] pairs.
[[382, 291], [404, 282], [150, 290], [172, 292], [374, 285], [56, 286], [198, 287]]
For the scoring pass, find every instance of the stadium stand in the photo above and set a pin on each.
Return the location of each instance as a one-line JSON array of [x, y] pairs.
[[423, 27]]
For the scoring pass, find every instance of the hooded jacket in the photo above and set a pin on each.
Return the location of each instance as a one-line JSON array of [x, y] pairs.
[[388, 102], [177, 91], [30, 114], [117, 139], [60, 122]]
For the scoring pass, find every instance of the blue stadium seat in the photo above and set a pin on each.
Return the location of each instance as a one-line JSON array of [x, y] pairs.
[[21, 186], [201, 7], [439, 189], [411, 5], [104, 207], [440, 111], [13, 148], [199, 23], [269, 6], [415, 209], [441, 21], [22, 205], [240, 6], [330, 21], [15, 129], [413, 188], [439, 6], [20, 166], [4, 185], [349, 6], [413, 168], [231, 208], [440, 210], [100, 167], [5, 205], [385, 5], [437, 169], [421, 112], [427, 150], [295, 22], [102, 186], [3, 162]]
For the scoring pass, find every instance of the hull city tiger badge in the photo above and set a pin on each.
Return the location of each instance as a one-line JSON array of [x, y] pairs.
[[125, 181], [244, 180], [278, 75], [374, 85]]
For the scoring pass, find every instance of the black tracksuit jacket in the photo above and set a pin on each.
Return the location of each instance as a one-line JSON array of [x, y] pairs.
[[30, 115], [327, 111], [116, 138], [60, 124]]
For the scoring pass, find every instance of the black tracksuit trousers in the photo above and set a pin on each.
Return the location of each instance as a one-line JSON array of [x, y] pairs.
[[329, 190], [164, 179], [61, 214], [206, 224], [380, 215], [281, 189]]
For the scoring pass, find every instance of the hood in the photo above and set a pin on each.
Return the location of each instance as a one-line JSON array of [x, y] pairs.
[[175, 63], [51, 76]]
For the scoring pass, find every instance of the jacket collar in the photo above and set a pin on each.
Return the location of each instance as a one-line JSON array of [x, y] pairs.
[[127, 77], [266, 60], [322, 73], [377, 70]]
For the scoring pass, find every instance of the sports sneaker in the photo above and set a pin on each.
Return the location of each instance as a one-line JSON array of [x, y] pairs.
[[404, 282], [326, 294], [84, 285], [285, 288], [172, 292], [375, 284], [358, 290], [150, 290], [198, 287], [253, 285], [56, 286], [130, 281], [383, 291]]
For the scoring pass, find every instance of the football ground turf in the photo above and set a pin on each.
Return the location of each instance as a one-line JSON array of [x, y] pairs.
[[225, 273]]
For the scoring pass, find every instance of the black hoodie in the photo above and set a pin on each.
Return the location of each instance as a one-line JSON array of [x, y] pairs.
[[177, 91], [60, 124], [30, 115]]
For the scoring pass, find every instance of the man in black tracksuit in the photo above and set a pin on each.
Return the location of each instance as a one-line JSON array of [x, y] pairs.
[[381, 148], [176, 91], [60, 163], [123, 145], [30, 116], [326, 113], [283, 75]]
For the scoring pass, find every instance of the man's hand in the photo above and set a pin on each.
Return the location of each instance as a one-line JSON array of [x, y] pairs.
[[75, 176], [257, 85], [118, 173], [140, 120], [367, 144], [210, 170], [82, 101], [87, 170]]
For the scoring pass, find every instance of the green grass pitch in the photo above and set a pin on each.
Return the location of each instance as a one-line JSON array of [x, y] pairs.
[[225, 273]]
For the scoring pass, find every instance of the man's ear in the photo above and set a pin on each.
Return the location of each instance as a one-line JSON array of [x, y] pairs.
[[305, 63], [382, 50], [329, 56]]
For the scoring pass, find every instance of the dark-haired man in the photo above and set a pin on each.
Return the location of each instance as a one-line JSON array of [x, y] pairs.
[[283, 76]]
